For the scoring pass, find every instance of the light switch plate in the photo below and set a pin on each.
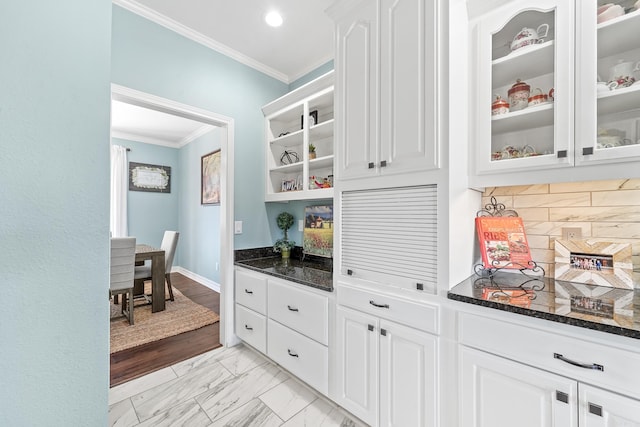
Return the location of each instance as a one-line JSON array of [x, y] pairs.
[[300, 225], [238, 227]]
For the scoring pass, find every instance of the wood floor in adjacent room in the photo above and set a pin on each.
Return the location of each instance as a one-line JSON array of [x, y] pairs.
[[135, 362]]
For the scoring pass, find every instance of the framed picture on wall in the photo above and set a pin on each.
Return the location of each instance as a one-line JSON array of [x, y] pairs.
[[210, 178], [149, 178]]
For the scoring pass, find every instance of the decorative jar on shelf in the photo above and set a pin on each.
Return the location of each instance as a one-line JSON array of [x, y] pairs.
[[519, 96], [499, 106]]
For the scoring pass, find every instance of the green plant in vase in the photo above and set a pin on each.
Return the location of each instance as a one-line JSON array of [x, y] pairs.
[[312, 151], [284, 245]]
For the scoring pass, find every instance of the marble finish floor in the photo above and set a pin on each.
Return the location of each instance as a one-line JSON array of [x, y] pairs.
[[223, 387]]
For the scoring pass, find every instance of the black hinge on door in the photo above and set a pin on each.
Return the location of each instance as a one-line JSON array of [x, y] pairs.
[[371, 165], [562, 153], [349, 272], [562, 397], [586, 151], [370, 327], [383, 332], [595, 409], [420, 286], [383, 164]]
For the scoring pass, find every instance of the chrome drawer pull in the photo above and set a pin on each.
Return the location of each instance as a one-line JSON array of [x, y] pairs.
[[292, 308], [248, 291], [248, 328], [292, 354], [378, 305], [593, 366]]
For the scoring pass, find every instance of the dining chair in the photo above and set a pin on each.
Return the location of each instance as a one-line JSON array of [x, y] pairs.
[[169, 245], [123, 257]]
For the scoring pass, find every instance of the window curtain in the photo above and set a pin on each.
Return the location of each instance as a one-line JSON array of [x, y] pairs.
[[119, 185]]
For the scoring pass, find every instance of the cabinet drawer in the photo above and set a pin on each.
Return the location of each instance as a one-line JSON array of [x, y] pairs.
[[300, 355], [417, 315], [251, 328], [251, 290], [300, 310], [537, 348]]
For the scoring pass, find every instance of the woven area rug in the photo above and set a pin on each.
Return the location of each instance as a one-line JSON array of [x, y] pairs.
[[181, 315]]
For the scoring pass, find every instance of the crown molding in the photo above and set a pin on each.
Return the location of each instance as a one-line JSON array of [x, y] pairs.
[[145, 139], [175, 26], [203, 130]]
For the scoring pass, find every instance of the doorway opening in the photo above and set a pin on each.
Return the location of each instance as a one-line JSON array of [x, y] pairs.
[[225, 127]]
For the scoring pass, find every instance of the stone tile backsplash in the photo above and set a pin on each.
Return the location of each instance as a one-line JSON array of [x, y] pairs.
[[603, 210]]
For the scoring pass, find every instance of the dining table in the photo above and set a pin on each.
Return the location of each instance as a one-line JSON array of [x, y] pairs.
[[156, 256]]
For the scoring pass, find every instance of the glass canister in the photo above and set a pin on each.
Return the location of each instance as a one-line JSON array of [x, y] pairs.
[[519, 96]]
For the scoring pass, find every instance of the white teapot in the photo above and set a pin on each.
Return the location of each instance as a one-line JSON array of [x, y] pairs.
[[529, 36]]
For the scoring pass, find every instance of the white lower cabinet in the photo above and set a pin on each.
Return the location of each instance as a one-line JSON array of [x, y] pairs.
[[518, 375], [302, 356], [251, 327], [498, 392], [601, 408], [286, 321], [386, 371]]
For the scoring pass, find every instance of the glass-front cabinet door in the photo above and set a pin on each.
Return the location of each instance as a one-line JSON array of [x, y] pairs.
[[608, 78], [524, 82]]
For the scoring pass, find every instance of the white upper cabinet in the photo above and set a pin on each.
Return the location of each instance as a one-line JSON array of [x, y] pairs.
[[386, 87], [590, 122], [295, 122], [607, 114], [532, 43]]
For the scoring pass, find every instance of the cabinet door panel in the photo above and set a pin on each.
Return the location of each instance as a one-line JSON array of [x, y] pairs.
[[408, 378], [408, 85], [251, 290], [357, 373], [302, 356], [600, 408], [299, 310], [251, 327], [355, 103], [497, 392]]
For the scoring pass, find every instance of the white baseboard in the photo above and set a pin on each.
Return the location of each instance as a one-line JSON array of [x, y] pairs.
[[193, 276]]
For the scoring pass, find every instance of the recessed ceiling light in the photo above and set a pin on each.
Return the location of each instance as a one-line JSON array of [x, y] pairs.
[[274, 19]]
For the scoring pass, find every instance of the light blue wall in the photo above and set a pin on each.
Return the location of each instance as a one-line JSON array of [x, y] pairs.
[[323, 69], [149, 214], [54, 211], [199, 244], [295, 208], [153, 59]]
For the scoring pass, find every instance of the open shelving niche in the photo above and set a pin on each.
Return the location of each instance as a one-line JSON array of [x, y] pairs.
[[289, 131]]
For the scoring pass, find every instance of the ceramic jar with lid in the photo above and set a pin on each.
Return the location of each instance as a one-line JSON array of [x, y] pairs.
[[499, 106], [519, 96]]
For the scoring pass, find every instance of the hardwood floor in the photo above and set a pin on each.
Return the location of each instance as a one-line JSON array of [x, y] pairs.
[[135, 362]]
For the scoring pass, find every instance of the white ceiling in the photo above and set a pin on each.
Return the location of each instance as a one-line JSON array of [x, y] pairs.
[[235, 28], [154, 127]]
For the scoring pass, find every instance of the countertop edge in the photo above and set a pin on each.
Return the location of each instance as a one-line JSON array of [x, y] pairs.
[[284, 277], [617, 330]]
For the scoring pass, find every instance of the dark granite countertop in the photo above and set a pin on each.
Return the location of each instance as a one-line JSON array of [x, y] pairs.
[[605, 309], [306, 270]]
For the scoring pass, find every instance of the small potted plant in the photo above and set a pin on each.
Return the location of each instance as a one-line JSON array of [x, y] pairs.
[[312, 151], [284, 245]]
